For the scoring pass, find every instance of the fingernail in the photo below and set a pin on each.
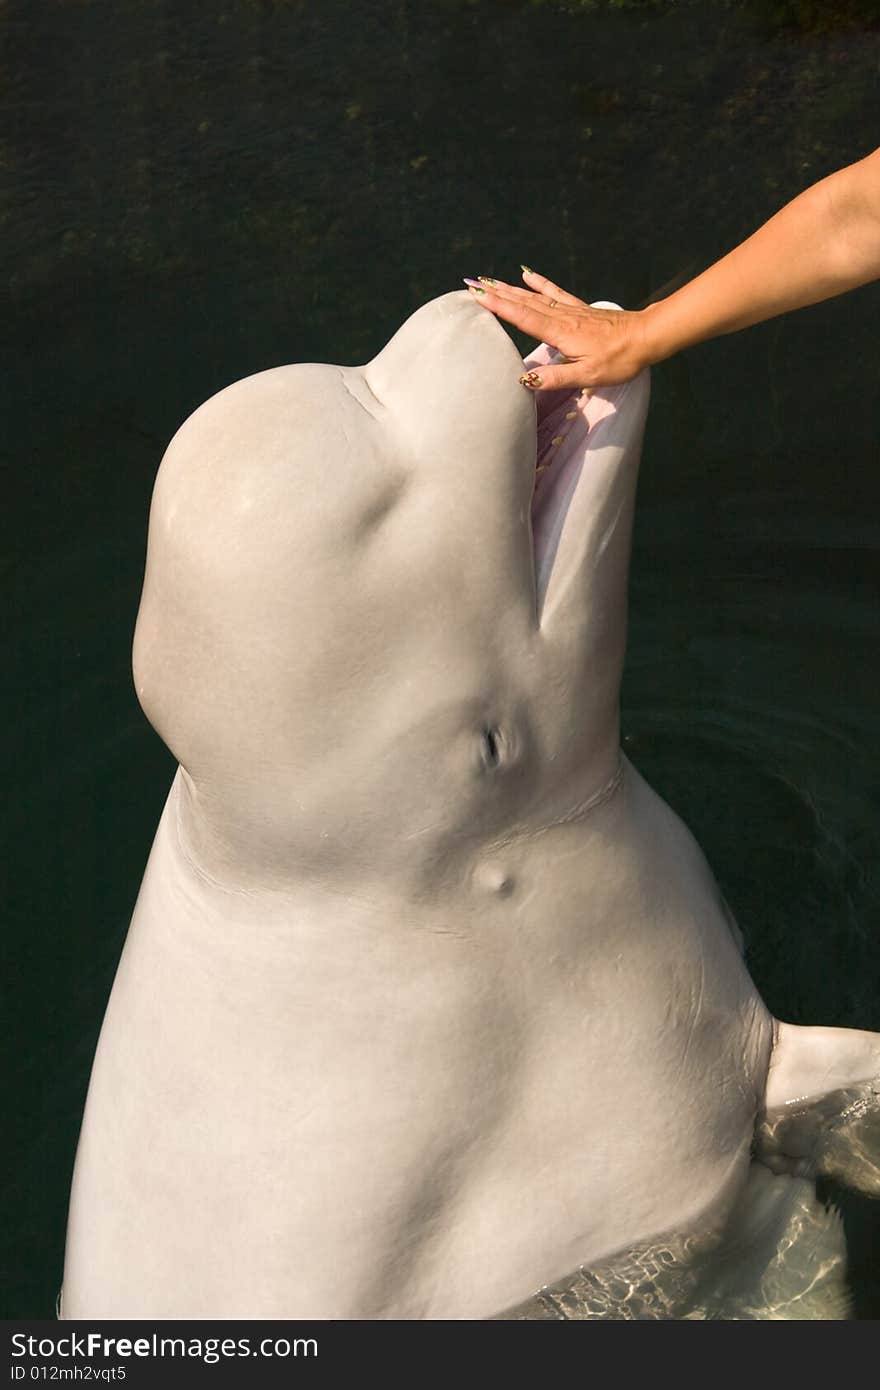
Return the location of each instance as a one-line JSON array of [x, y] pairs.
[[472, 289], [474, 283], [527, 270], [487, 280], [530, 379]]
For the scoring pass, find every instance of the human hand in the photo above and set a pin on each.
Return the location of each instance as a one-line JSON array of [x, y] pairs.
[[604, 346]]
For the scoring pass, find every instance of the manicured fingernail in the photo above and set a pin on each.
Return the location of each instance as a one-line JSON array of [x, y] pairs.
[[474, 283], [487, 280], [472, 289], [526, 269], [530, 379]]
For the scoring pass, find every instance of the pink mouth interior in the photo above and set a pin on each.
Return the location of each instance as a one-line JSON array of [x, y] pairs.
[[563, 429]]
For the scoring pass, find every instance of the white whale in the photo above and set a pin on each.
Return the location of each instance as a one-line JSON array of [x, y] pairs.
[[428, 1000]]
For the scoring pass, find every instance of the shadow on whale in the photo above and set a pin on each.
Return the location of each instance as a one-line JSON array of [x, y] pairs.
[[428, 1000]]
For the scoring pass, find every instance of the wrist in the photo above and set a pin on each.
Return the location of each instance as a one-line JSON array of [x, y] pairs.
[[655, 341]]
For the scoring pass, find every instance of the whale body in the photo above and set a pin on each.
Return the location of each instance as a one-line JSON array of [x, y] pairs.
[[428, 1000]]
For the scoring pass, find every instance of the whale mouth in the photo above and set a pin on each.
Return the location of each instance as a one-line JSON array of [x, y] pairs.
[[560, 450]]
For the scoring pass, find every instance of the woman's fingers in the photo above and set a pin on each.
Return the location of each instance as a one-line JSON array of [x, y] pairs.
[[603, 346], [556, 377], [511, 292], [529, 312], [547, 288], [551, 294]]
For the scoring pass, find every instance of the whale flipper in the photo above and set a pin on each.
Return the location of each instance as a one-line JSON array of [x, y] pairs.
[[822, 1106]]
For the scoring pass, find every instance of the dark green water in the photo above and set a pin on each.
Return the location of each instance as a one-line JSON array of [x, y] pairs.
[[197, 192]]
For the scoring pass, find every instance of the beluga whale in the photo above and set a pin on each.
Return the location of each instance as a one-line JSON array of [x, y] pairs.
[[429, 1008]]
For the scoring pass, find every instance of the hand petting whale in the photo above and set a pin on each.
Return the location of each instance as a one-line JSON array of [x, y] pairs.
[[428, 1002]]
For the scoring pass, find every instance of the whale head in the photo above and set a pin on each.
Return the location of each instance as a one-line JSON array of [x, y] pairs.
[[384, 610]]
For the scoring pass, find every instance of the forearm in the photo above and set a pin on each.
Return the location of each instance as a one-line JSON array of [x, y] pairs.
[[826, 241]]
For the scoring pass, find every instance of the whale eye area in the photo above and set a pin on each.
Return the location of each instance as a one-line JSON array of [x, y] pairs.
[[491, 748]]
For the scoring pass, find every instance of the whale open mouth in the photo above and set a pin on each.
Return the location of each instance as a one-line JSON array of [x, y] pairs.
[[561, 448]]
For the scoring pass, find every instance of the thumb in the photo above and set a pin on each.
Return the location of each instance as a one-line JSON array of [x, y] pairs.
[[556, 376]]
